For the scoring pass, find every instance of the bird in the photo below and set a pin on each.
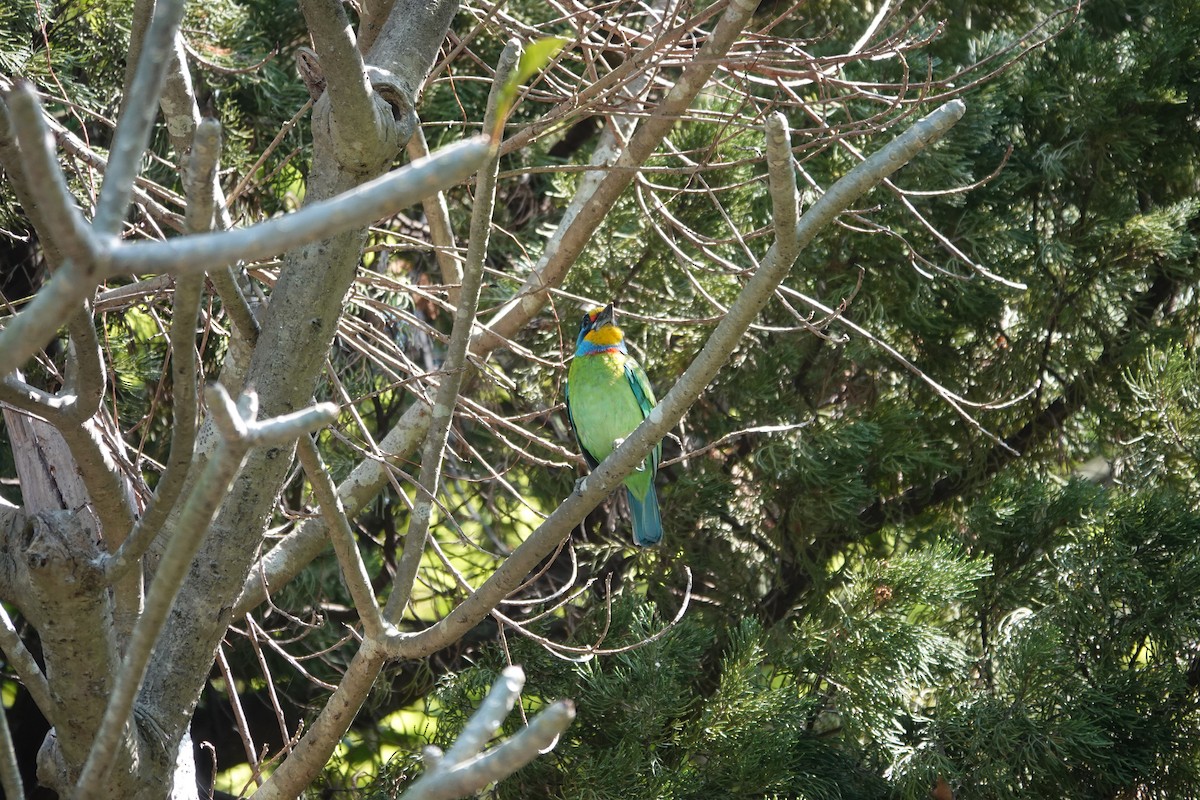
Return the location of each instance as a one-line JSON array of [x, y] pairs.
[[608, 396]]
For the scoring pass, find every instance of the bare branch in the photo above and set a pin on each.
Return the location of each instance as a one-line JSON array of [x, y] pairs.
[[239, 715], [484, 723], [26, 667], [354, 571], [178, 101], [953, 400], [239, 432], [85, 378], [30, 329], [625, 458], [356, 122], [200, 176], [60, 216], [10, 772], [137, 118], [588, 652], [313, 750], [454, 367], [785, 197], [464, 770], [321, 220], [287, 558]]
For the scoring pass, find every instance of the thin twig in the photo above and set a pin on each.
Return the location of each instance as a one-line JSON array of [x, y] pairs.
[[26, 667], [460, 338], [354, 571], [625, 458]]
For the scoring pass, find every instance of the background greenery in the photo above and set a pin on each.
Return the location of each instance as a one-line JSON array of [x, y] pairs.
[[883, 597]]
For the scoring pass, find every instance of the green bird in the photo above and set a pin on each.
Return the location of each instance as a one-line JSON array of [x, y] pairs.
[[608, 395]]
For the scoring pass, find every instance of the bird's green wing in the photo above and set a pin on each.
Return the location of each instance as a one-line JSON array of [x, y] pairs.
[[643, 392], [640, 385]]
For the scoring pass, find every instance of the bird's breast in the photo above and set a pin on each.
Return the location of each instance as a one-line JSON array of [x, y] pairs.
[[603, 405]]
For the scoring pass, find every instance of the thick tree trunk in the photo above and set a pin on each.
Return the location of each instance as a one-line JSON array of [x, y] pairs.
[[297, 331]]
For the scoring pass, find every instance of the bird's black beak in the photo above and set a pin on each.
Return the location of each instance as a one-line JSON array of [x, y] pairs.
[[606, 317]]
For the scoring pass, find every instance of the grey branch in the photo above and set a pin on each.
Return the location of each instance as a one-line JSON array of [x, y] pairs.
[[26, 667], [322, 220], [284, 561], [25, 334], [453, 368], [64, 223], [715, 354], [362, 122], [354, 571], [10, 773], [137, 118], [465, 770], [781, 180], [239, 431]]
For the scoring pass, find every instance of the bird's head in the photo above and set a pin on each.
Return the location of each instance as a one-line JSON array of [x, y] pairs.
[[599, 331]]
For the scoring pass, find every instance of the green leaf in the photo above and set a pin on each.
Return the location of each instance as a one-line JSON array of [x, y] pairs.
[[537, 55]]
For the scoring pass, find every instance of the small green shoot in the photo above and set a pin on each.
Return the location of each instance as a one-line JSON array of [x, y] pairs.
[[537, 55]]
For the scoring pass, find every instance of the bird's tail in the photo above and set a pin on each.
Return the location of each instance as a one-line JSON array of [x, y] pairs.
[[647, 524]]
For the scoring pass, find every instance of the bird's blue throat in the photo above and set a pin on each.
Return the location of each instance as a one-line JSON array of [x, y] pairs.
[[586, 348]]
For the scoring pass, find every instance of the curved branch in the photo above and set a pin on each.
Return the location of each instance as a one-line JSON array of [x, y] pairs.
[[624, 459], [312, 752], [454, 367], [324, 219], [465, 770], [26, 667], [29, 330], [61, 222], [296, 550], [572, 237], [354, 571], [355, 120]]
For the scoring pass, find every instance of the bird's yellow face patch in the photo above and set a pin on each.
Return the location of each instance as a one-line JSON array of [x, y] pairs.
[[606, 336]]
